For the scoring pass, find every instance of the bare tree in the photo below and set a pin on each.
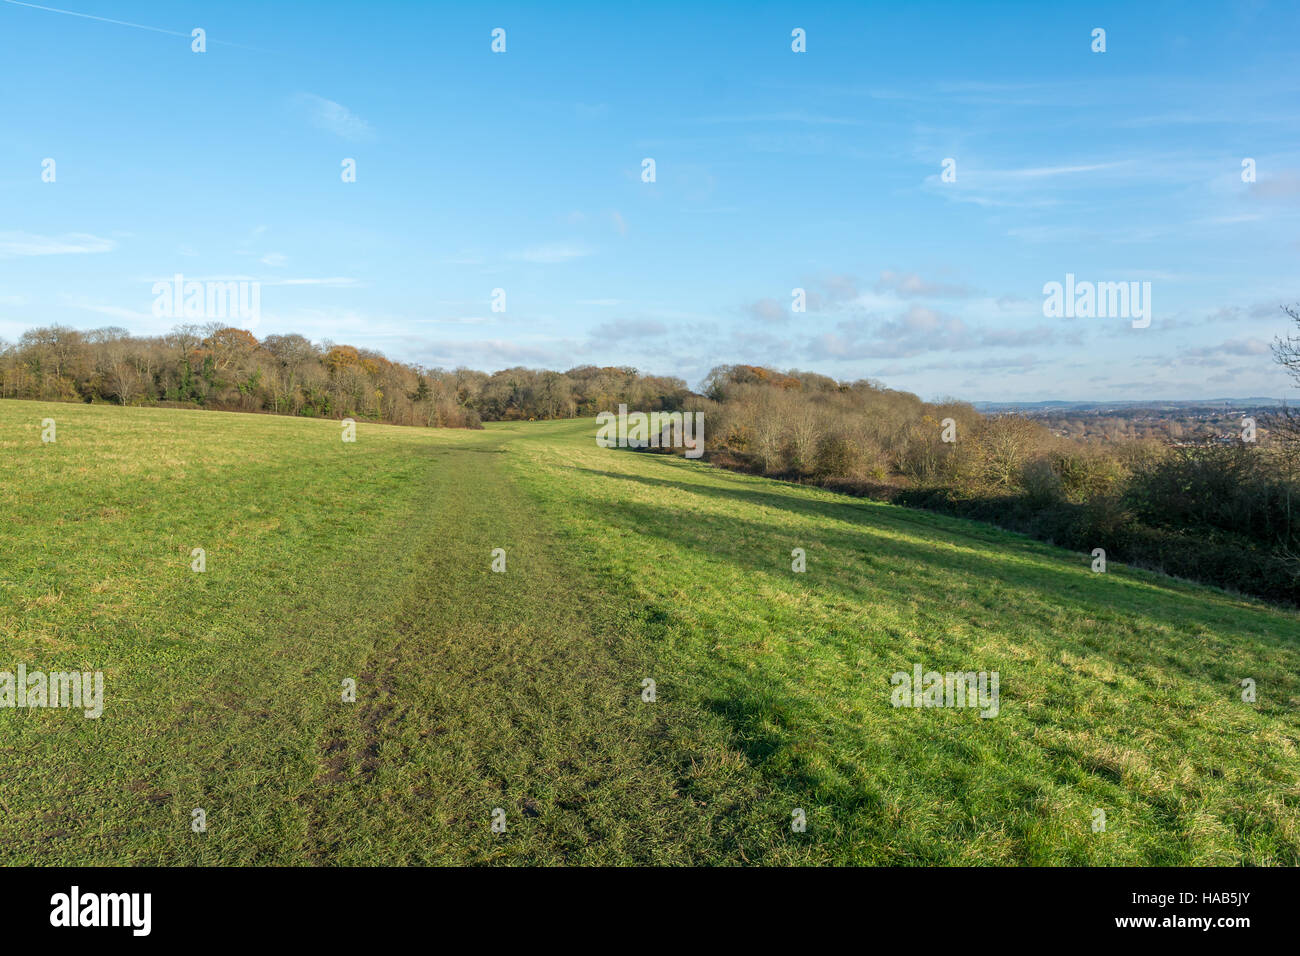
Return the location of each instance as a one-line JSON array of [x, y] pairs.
[[805, 431], [294, 353], [1007, 442], [1287, 350], [1284, 426], [116, 361]]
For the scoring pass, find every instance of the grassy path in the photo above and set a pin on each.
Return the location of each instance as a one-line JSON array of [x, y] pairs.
[[475, 690], [522, 690], [517, 690]]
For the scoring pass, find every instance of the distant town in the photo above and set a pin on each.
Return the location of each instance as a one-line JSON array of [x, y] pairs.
[[1180, 423]]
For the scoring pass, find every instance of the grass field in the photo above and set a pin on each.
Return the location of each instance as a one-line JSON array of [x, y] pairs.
[[522, 690]]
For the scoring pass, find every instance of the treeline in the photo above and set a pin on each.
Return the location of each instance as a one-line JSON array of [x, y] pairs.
[[221, 367], [1225, 514]]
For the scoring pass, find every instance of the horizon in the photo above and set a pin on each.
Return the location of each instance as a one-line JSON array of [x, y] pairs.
[[822, 170]]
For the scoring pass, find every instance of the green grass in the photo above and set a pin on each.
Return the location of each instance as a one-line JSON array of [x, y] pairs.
[[522, 690]]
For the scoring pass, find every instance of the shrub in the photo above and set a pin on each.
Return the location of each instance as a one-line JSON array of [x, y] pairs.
[[1227, 488], [1042, 485], [838, 457], [1086, 474]]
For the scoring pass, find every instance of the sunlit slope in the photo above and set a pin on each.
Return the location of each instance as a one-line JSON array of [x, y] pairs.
[[1119, 691], [523, 690]]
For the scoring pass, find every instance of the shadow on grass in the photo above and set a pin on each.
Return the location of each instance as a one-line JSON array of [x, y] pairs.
[[866, 515], [940, 572]]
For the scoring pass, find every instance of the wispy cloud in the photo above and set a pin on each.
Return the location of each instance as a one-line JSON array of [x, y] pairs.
[[492, 353], [332, 281], [918, 331], [138, 316], [623, 329], [329, 281], [30, 244], [334, 117], [1025, 187], [909, 284], [1040, 171], [1218, 354], [806, 119], [768, 310], [465, 259], [1285, 185], [553, 252]]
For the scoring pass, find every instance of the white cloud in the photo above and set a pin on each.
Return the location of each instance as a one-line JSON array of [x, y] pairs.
[[910, 284], [769, 310], [553, 252], [116, 311], [29, 244], [1216, 354], [489, 353], [622, 329]]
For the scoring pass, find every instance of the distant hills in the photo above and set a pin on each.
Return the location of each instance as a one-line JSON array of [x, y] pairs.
[[1052, 405]]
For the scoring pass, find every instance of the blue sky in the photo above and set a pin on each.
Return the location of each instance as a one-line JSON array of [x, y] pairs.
[[774, 170]]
